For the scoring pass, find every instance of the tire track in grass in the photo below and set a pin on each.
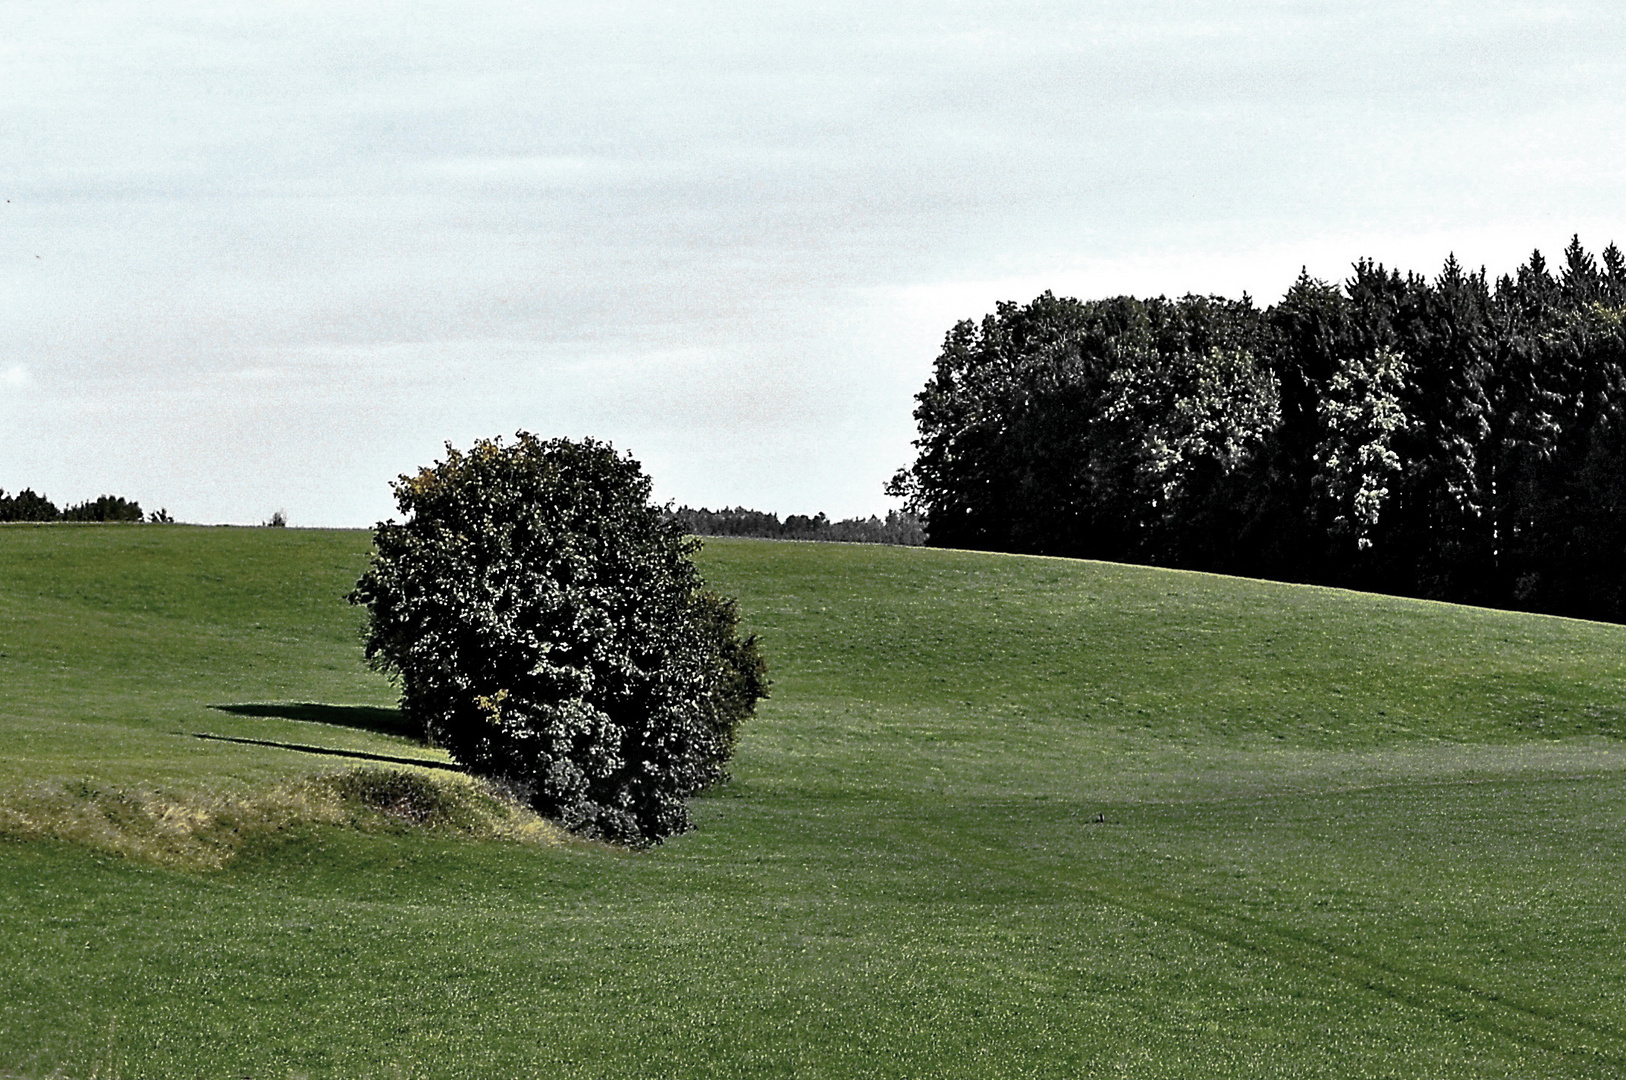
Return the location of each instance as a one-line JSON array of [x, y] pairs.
[[1451, 998]]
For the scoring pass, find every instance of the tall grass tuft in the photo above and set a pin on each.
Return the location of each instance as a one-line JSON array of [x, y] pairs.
[[205, 831]]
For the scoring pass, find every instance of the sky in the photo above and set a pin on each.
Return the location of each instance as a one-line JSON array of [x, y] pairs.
[[260, 257]]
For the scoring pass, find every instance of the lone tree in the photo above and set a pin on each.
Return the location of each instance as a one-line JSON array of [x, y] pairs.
[[550, 630]]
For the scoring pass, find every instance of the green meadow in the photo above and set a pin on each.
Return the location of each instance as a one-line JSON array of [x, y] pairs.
[[1002, 817]]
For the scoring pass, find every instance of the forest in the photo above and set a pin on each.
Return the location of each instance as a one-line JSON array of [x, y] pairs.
[[896, 528], [1453, 438]]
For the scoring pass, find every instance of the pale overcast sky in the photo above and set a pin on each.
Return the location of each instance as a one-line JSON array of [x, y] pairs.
[[263, 256]]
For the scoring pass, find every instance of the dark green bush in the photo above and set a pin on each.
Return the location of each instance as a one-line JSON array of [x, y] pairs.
[[105, 508], [26, 505], [549, 629], [740, 674]]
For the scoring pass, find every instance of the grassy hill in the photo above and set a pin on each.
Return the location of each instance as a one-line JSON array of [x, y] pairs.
[[1002, 817]]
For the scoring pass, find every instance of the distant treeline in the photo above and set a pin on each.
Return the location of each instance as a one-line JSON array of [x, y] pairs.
[[1454, 438], [26, 505], [896, 528]]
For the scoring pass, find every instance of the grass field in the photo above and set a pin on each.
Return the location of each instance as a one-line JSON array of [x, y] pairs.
[[1002, 817]]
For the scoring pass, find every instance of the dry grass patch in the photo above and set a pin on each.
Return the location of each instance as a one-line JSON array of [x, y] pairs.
[[205, 831]]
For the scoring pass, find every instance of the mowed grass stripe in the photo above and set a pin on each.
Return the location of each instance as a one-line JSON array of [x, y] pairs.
[[1452, 999], [1403, 977]]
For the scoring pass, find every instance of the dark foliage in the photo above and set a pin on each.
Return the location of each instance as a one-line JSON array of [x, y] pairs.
[[27, 506], [106, 508], [549, 628], [1456, 438], [1094, 429], [896, 528], [739, 672]]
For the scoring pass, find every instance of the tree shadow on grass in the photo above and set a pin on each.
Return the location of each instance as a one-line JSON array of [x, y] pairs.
[[372, 718], [325, 751]]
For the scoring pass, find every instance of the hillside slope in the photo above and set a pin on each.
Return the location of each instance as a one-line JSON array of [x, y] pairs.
[[1001, 817]]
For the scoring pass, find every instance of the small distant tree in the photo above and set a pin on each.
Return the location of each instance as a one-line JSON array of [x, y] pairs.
[[549, 629]]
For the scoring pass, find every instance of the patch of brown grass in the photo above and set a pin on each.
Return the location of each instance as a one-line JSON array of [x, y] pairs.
[[205, 831]]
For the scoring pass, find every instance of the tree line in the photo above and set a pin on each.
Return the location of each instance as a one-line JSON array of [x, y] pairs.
[[895, 528], [1457, 438], [28, 505]]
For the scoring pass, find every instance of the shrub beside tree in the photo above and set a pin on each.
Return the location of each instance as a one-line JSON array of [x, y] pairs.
[[548, 627]]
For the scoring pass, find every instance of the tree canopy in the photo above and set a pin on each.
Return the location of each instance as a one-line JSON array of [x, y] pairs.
[[1452, 438], [549, 628], [29, 505]]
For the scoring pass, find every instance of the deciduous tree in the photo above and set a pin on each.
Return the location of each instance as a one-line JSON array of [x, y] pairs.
[[549, 628]]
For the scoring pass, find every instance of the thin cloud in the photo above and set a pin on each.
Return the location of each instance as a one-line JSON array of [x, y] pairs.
[[289, 250]]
